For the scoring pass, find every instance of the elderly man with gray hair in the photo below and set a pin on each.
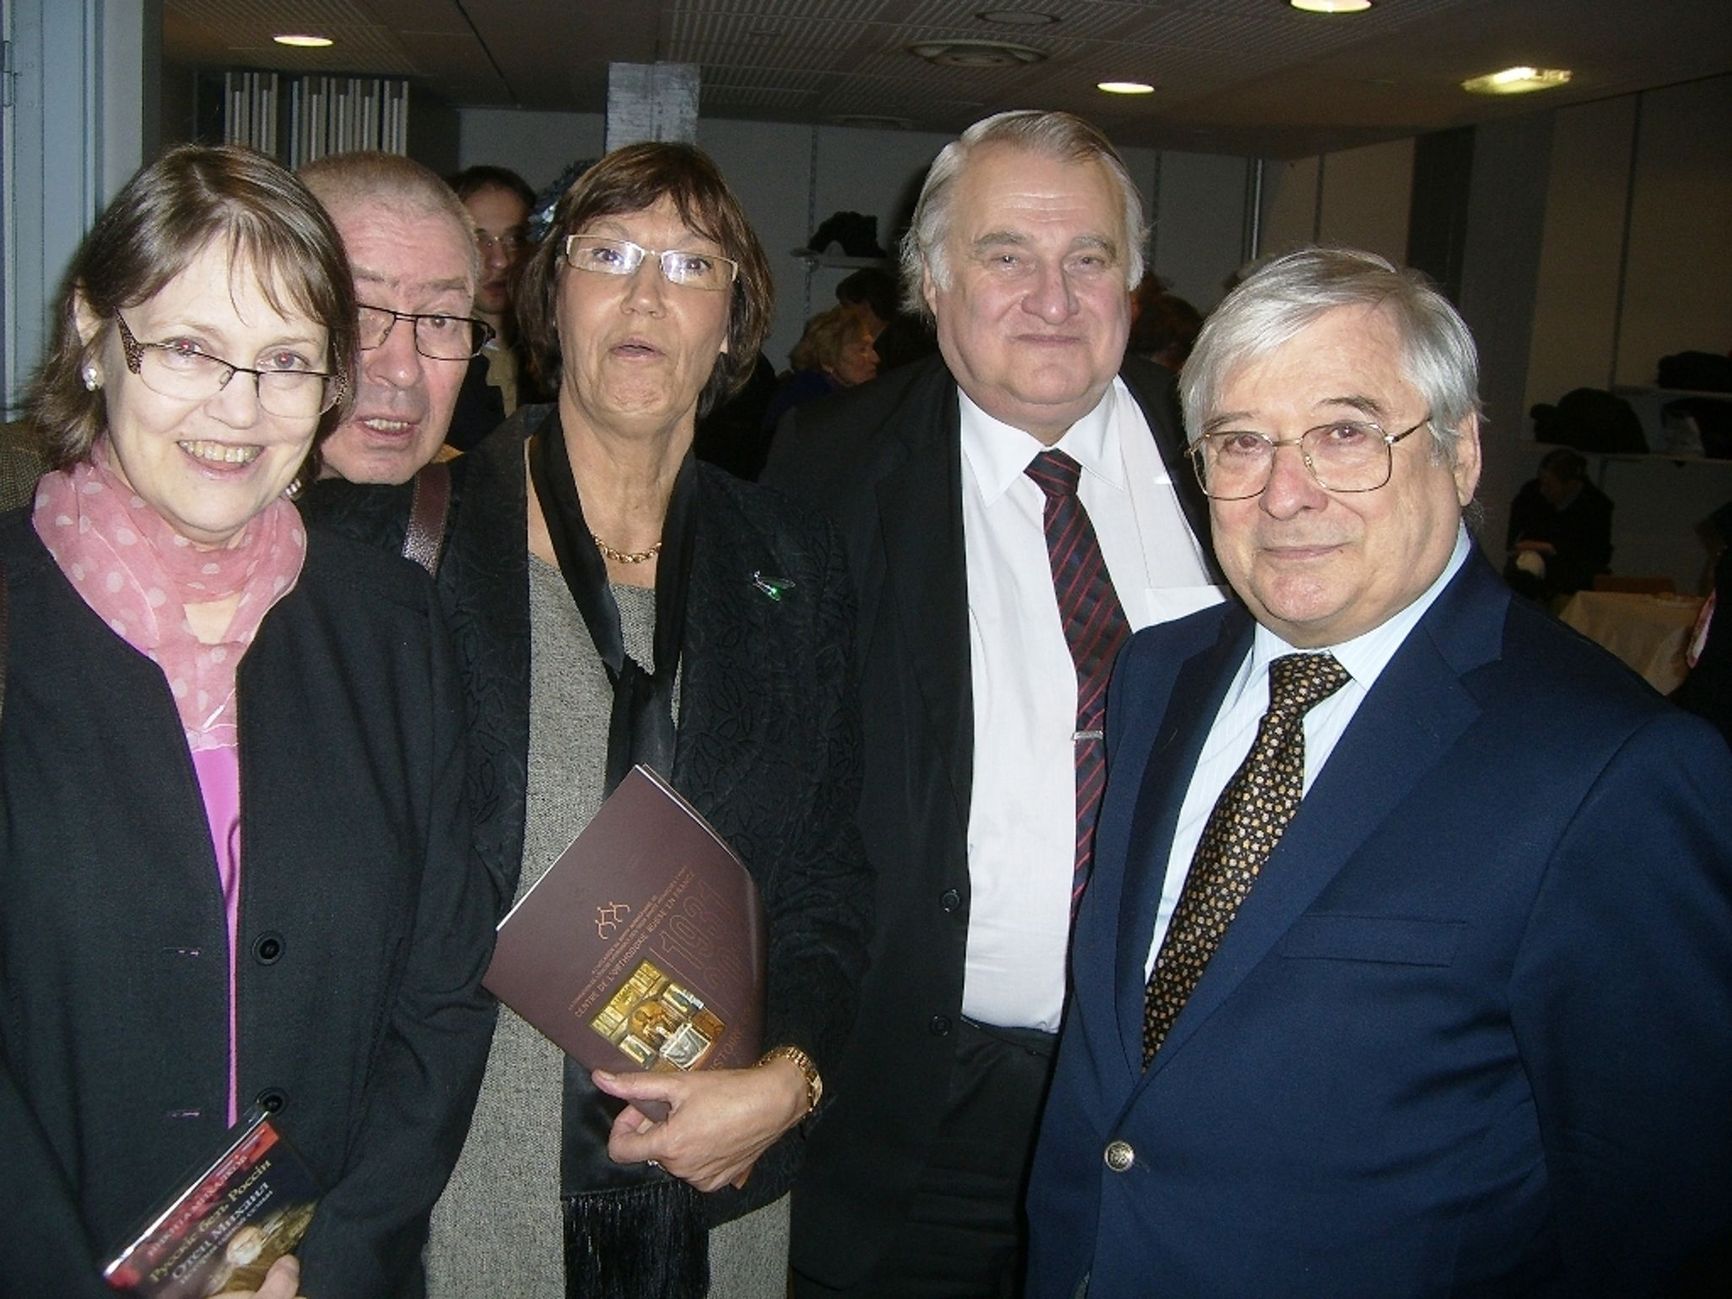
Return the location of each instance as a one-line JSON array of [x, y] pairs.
[[1012, 509], [411, 246], [1407, 964]]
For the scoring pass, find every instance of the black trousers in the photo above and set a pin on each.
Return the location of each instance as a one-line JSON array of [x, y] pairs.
[[964, 1234]]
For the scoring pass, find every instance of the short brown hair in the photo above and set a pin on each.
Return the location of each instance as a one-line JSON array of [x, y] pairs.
[[633, 179], [163, 218]]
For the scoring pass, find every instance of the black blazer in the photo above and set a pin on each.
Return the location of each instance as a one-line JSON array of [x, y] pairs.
[[767, 741], [885, 461], [363, 931]]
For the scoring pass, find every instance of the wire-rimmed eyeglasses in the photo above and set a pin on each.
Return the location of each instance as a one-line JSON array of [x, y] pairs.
[[607, 256], [179, 368], [1341, 456], [437, 337]]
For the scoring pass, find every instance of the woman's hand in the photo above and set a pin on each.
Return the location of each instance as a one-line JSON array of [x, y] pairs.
[[283, 1281], [719, 1121]]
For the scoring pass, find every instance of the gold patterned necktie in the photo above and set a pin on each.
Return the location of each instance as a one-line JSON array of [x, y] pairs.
[[1243, 829]]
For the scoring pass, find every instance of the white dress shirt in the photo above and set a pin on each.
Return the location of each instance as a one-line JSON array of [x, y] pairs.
[[1022, 815], [1247, 699]]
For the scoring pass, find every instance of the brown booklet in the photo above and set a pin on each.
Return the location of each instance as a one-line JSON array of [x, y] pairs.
[[642, 947]]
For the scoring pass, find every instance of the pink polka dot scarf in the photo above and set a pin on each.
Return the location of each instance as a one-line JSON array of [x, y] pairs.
[[137, 573]]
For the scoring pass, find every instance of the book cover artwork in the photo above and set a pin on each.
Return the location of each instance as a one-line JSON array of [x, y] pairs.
[[224, 1230]]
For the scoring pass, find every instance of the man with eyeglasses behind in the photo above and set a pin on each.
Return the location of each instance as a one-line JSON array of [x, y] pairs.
[[1407, 963], [413, 252]]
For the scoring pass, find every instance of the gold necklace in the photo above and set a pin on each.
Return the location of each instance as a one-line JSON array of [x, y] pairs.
[[626, 556]]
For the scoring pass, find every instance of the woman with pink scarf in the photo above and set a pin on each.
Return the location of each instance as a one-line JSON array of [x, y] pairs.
[[233, 844]]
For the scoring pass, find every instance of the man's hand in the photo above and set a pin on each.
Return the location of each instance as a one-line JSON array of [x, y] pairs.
[[719, 1121]]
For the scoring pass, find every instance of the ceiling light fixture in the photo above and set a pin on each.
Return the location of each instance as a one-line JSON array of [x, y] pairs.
[[1331, 6], [976, 54], [1125, 87], [1516, 81], [304, 42], [1016, 17]]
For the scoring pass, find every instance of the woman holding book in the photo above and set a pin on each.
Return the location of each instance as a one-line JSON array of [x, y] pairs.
[[615, 601], [233, 841]]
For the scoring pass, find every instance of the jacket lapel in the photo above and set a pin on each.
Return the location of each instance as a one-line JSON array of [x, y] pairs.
[[1413, 715], [920, 523], [1198, 688]]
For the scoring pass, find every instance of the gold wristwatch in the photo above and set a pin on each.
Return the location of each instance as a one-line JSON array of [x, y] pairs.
[[803, 1062]]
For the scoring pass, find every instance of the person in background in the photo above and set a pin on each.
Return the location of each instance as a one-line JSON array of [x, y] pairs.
[[498, 201], [416, 267], [1560, 529], [233, 840], [1165, 328], [1031, 462], [1407, 964], [1707, 690], [835, 353], [869, 293], [618, 602]]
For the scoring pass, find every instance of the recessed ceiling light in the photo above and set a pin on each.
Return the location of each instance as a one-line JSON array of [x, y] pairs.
[[304, 42], [1516, 81], [1331, 6], [1125, 87], [976, 54], [1016, 17]]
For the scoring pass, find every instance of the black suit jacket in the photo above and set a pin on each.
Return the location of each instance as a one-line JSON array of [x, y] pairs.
[[362, 928], [885, 460], [767, 741]]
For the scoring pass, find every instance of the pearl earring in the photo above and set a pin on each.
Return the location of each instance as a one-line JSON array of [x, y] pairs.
[[91, 383]]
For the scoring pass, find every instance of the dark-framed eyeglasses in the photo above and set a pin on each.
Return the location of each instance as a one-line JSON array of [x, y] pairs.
[[1341, 456], [437, 337], [180, 368], [692, 270]]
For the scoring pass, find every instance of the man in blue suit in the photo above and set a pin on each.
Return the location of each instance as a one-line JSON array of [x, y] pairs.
[[1419, 983]]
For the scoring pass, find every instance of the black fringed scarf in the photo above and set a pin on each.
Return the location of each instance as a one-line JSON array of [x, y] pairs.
[[631, 1231]]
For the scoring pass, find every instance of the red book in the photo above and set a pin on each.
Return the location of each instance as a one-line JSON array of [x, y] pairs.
[[642, 946], [225, 1227]]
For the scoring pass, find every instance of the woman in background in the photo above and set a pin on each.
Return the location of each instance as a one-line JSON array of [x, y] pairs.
[[233, 840]]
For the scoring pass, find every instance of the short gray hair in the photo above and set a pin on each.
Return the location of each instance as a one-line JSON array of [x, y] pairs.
[[342, 181], [1285, 295], [1052, 134]]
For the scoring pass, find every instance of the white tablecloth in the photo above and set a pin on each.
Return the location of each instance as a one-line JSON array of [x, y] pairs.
[[1649, 632]]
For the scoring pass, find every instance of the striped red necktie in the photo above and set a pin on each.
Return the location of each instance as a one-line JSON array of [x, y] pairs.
[[1094, 628]]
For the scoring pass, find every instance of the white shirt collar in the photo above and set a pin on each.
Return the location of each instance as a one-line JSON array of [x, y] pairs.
[[998, 453]]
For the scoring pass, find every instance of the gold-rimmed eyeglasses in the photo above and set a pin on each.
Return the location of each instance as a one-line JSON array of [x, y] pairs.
[[607, 256], [1341, 456], [180, 368]]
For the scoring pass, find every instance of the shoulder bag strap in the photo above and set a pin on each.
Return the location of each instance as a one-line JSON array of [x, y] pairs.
[[428, 509]]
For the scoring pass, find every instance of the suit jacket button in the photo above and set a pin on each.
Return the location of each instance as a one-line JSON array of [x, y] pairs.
[[268, 949], [940, 1025], [950, 899], [270, 1100], [1120, 1156]]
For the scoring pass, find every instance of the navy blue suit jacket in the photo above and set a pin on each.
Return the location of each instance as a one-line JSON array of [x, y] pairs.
[[1472, 1031]]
